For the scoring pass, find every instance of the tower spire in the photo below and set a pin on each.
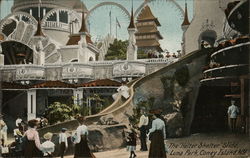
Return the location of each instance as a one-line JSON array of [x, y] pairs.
[[132, 24], [83, 27], [185, 21], [39, 31]]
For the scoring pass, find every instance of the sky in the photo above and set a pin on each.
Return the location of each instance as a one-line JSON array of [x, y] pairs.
[[166, 11]]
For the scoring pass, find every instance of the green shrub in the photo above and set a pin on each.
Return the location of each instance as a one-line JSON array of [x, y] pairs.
[[58, 112], [182, 75]]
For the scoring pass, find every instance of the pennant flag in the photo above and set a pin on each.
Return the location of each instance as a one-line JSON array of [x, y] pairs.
[[118, 24], [110, 13]]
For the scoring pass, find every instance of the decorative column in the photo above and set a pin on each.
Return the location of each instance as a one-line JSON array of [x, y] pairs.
[[88, 101], [242, 96], [31, 104], [1, 56], [31, 12], [1, 59], [44, 12], [57, 17], [78, 96]]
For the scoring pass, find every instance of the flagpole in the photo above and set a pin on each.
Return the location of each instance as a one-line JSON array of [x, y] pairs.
[[110, 22], [89, 26], [39, 9], [116, 29]]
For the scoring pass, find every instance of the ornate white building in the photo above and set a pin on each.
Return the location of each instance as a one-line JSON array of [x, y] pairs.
[[209, 24], [46, 49]]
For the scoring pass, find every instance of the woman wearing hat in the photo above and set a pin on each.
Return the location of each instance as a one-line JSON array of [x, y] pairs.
[[158, 134], [48, 147], [33, 145], [81, 143]]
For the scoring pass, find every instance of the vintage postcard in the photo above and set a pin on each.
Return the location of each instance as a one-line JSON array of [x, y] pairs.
[[124, 78]]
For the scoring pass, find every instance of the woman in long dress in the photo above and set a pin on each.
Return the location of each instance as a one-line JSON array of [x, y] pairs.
[[81, 142], [157, 134], [32, 146]]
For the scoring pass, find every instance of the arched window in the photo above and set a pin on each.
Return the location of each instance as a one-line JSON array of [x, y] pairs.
[[207, 39], [74, 61], [91, 59]]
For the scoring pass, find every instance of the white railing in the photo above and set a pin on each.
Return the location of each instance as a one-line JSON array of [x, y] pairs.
[[87, 70], [159, 60], [56, 25], [30, 72]]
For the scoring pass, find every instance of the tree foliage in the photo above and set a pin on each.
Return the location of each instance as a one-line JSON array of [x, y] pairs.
[[182, 75], [58, 112], [141, 54], [117, 50]]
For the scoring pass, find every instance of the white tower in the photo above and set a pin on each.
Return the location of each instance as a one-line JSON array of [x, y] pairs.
[[132, 48], [38, 54], [207, 24], [82, 52]]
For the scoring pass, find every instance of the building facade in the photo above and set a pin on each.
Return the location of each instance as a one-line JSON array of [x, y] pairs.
[[46, 49]]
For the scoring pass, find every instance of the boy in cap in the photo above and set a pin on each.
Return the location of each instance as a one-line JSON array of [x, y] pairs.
[[63, 142], [48, 147]]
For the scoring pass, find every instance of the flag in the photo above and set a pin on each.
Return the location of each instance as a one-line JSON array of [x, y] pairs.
[[110, 13], [117, 23]]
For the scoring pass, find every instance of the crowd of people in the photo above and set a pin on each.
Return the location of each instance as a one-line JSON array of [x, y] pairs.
[[28, 144], [156, 135]]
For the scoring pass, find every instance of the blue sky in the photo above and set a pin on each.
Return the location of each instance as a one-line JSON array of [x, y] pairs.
[[165, 10]]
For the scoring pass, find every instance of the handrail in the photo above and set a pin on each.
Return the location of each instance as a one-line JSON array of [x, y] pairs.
[[219, 78], [225, 67], [230, 47]]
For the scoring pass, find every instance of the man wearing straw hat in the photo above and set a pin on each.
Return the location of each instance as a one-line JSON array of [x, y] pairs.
[[48, 147]]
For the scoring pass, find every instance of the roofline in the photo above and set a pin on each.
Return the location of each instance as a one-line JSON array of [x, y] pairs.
[[50, 88], [95, 87], [153, 19]]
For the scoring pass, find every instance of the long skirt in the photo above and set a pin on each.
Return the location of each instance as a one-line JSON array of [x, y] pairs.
[[157, 146], [31, 150], [82, 149], [143, 138]]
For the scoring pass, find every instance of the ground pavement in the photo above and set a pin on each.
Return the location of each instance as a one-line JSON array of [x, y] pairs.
[[213, 145], [218, 145]]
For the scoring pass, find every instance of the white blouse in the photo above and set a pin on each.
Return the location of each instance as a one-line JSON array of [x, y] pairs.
[[63, 138], [81, 130], [143, 121], [158, 124]]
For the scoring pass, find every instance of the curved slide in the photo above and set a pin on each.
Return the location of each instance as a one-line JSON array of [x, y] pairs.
[[121, 107], [118, 109]]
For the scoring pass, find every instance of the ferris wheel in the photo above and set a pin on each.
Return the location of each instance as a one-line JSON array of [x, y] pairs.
[[114, 17]]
